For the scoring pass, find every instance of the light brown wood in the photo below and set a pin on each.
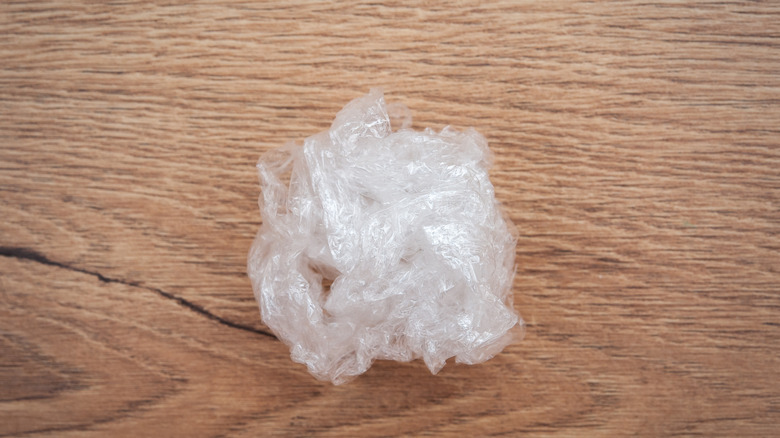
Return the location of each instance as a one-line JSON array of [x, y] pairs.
[[636, 148]]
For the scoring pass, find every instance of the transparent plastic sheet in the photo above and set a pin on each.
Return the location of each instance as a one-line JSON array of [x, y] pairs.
[[383, 245]]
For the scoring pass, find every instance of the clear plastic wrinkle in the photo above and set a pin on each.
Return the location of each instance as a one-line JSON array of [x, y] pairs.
[[383, 245]]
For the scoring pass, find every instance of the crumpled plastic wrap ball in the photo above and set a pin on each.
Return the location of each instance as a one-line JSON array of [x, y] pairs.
[[383, 245]]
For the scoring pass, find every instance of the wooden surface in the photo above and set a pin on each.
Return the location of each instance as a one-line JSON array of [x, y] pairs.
[[636, 149]]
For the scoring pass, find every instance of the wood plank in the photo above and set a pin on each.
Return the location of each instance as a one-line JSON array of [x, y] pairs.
[[636, 148]]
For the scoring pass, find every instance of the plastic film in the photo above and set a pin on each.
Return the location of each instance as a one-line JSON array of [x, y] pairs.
[[383, 245]]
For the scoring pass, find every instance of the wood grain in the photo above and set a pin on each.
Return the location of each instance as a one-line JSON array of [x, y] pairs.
[[636, 149]]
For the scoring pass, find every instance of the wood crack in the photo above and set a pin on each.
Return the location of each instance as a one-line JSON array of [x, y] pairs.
[[32, 255]]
